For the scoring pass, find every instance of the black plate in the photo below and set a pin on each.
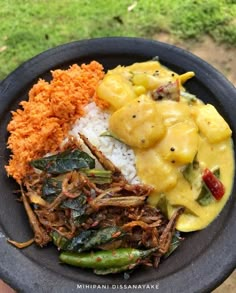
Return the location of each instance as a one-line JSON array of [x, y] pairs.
[[205, 259]]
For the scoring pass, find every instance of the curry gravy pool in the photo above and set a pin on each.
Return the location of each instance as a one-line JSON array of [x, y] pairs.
[[170, 131]]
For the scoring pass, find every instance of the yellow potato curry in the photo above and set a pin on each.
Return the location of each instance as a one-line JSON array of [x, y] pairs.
[[183, 147]]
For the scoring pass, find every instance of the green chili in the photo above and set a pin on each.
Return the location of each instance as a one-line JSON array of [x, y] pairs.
[[106, 259], [114, 270]]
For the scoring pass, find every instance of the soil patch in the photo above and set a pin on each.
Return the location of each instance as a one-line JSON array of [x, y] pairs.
[[220, 56]]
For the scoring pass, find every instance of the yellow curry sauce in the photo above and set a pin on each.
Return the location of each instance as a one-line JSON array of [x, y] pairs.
[[169, 130]]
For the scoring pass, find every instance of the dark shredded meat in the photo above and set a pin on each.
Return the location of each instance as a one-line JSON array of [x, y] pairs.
[[117, 204]]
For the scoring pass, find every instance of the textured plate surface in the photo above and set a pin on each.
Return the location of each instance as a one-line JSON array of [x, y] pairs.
[[205, 258]]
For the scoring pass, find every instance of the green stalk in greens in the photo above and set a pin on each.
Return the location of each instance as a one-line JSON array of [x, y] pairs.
[[98, 176], [107, 261]]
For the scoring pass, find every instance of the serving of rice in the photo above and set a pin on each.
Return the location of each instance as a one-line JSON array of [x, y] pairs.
[[92, 125]]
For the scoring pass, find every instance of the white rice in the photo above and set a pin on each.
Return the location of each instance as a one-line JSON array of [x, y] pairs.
[[92, 125]]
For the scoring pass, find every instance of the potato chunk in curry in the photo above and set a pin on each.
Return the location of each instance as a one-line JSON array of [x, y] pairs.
[[139, 123], [116, 90], [154, 170], [180, 143], [212, 124]]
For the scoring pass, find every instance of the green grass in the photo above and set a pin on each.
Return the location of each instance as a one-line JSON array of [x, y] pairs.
[[29, 27]]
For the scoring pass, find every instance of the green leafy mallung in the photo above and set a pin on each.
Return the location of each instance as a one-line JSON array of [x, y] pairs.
[[88, 244]]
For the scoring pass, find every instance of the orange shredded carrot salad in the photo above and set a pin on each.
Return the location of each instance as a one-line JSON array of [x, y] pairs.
[[45, 119]]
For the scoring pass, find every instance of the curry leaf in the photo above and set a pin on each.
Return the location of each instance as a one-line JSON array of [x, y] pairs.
[[58, 240], [103, 236], [192, 173], [63, 162], [51, 187], [75, 203], [77, 243], [78, 207], [87, 240], [205, 197]]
